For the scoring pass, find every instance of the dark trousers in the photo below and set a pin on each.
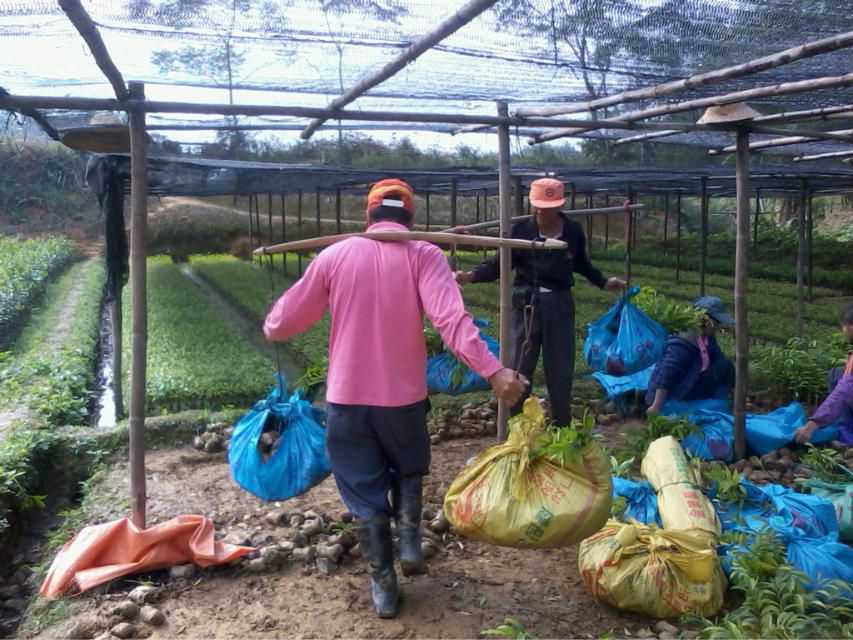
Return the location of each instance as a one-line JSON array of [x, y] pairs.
[[369, 446], [551, 331]]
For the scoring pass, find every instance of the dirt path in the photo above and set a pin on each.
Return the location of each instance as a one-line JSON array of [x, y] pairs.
[[470, 586], [54, 342]]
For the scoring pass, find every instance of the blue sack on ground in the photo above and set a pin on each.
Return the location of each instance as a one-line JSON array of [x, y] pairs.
[[446, 374], [298, 459], [624, 340], [806, 525], [774, 430], [715, 440], [641, 498], [615, 386]]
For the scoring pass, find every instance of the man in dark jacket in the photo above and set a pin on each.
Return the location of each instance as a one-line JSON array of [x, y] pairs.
[[693, 367], [543, 307]]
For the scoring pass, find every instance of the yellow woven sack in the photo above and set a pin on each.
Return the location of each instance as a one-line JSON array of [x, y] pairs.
[[681, 503], [508, 496], [648, 570]]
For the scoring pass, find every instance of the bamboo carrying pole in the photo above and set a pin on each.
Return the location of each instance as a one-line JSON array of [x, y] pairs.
[[801, 257], [448, 239], [785, 88], [570, 214], [505, 254], [446, 28], [89, 32], [139, 319], [703, 236], [771, 61], [741, 285]]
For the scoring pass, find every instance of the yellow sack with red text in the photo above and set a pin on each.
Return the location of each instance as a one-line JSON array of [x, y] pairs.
[[648, 570], [511, 496]]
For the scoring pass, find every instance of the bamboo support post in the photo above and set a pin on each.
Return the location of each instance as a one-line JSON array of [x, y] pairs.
[[338, 210], [518, 195], [115, 207], [810, 245], [665, 217], [589, 221], [453, 220], [284, 231], [139, 309], [319, 222], [755, 224], [771, 61], [299, 226], [629, 233], [801, 256], [741, 291], [446, 28], [436, 237], [703, 235], [678, 238], [505, 334], [269, 218], [427, 211], [89, 32]]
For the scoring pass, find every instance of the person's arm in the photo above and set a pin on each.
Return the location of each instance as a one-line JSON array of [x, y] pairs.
[[583, 265], [656, 407], [672, 365], [301, 306], [487, 271], [444, 307], [829, 410]]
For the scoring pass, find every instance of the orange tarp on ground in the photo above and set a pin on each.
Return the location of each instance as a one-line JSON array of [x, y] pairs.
[[107, 551]]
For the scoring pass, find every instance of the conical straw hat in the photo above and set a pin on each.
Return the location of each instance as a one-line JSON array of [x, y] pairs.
[[727, 113]]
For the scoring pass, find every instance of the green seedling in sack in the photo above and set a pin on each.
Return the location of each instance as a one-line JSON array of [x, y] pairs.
[[618, 507], [659, 427], [621, 468], [563, 445], [435, 346], [511, 628], [826, 464], [314, 376], [727, 481]]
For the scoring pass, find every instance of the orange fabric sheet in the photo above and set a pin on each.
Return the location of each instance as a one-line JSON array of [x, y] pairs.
[[107, 551]]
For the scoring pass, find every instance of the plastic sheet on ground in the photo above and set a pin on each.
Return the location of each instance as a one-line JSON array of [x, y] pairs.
[[765, 432], [656, 572], [806, 524], [641, 499], [624, 340], [103, 552], [615, 386], [506, 496], [446, 374], [681, 503], [298, 460]]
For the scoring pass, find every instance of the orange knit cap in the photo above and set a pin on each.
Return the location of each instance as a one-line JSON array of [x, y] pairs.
[[394, 190]]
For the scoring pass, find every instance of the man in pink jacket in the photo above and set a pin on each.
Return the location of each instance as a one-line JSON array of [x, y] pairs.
[[376, 434]]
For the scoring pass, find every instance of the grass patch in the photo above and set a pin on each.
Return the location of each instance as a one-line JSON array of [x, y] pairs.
[[195, 358]]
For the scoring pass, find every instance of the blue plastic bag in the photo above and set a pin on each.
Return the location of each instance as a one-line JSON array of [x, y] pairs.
[[298, 460], [441, 368], [715, 439], [641, 498], [624, 340]]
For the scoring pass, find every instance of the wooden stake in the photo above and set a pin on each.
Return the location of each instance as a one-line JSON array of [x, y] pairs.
[[139, 348], [338, 210], [771, 61], [665, 217], [703, 236], [629, 234], [446, 28], [505, 318], [801, 257], [299, 224], [453, 211], [269, 218], [741, 292], [810, 244], [755, 225], [606, 222], [678, 238], [436, 237], [427, 211], [284, 230], [319, 230], [87, 29]]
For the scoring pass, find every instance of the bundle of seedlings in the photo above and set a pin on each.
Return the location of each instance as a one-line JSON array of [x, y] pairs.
[[675, 317]]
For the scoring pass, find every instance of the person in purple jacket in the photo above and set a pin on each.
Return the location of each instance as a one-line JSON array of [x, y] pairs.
[[693, 367], [838, 405]]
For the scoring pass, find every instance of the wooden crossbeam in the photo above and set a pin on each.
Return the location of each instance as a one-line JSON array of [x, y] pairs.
[[823, 156], [825, 113], [446, 28], [825, 45], [844, 135]]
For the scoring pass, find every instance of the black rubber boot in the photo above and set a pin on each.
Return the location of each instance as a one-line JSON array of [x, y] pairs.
[[407, 497], [374, 536]]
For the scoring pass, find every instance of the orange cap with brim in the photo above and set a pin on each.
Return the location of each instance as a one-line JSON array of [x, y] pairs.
[[392, 190], [547, 193]]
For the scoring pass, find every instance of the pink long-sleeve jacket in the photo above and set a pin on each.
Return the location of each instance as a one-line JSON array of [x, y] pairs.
[[378, 293]]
